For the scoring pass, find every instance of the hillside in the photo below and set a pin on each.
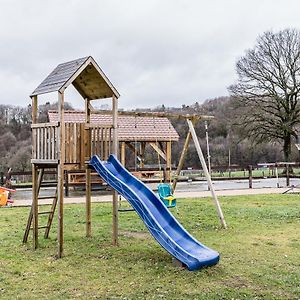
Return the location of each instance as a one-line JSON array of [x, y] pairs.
[[226, 144]]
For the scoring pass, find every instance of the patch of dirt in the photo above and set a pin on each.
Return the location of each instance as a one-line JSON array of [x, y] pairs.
[[138, 235]]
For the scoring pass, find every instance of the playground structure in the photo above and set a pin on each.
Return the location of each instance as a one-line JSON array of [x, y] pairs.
[[55, 145], [52, 141], [134, 133]]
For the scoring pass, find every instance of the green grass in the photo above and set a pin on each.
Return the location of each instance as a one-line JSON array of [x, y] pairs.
[[260, 254]]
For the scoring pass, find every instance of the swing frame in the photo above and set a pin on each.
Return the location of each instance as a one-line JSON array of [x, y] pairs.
[[191, 120]]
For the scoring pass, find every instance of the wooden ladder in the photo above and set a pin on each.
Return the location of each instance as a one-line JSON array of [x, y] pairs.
[[50, 213]]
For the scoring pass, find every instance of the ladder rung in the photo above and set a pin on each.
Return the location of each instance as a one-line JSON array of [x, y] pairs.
[[40, 227], [46, 197], [45, 212], [125, 209]]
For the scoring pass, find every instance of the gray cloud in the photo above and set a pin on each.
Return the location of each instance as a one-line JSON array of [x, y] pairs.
[[155, 52]]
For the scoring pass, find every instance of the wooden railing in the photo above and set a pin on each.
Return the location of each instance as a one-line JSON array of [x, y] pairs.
[[46, 140], [74, 148], [101, 141]]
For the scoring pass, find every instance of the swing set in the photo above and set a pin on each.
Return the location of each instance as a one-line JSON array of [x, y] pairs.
[[166, 190]]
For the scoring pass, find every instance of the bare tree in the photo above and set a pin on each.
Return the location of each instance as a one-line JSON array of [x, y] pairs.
[[268, 89]]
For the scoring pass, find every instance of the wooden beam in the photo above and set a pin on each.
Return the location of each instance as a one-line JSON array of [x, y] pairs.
[[142, 152], [156, 114], [158, 150], [60, 175], [207, 175], [182, 158], [115, 152], [34, 109], [123, 153], [35, 224], [168, 160], [88, 170]]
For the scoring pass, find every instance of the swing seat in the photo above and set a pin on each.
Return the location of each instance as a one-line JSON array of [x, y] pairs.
[[165, 195]]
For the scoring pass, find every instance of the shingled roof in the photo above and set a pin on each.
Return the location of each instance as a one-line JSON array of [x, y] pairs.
[[85, 75], [130, 128]]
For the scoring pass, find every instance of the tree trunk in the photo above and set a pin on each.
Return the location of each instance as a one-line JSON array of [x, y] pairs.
[[287, 147]]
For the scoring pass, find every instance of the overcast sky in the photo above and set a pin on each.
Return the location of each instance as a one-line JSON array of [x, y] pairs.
[[170, 52]]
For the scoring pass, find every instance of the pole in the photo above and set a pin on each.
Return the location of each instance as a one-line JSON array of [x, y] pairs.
[[115, 152], [276, 174], [88, 186], [60, 175], [207, 147], [250, 177], [287, 175], [207, 175]]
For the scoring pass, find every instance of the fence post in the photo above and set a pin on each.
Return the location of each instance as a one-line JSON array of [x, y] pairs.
[[66, 183], [250, 176], [287, 175]]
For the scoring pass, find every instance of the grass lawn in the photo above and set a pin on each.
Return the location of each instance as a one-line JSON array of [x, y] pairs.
[[260, 254]]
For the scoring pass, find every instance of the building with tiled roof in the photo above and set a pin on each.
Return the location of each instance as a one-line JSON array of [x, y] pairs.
[[130, 128]]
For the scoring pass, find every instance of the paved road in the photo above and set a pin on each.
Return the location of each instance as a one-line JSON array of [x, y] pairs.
[[184, 190]]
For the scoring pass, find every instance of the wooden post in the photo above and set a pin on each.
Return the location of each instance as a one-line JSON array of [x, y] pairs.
[[88, 170], [169, 160], [123, 153], [276, 174], [207, 175], [115, 152], [142, 154], [287, 175], [60, 175], [182, 158], [250, 176], [35, 224], [66, 184]]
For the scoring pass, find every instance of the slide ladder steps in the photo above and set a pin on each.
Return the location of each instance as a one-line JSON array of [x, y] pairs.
[[50, 212]]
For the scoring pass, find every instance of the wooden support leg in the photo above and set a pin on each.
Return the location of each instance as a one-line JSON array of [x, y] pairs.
[[123, 153], [115, 151], [88, 202], [142, 152], [66, 184], [182, 159], [60, 176], [35, 224], [115, 219], [207, 175], [169, 159], [60, 194]]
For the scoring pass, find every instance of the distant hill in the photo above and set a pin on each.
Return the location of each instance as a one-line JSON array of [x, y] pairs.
[[225, 140]]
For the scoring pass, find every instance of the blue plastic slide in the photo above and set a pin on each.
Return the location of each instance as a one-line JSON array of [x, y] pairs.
[[161, 223]]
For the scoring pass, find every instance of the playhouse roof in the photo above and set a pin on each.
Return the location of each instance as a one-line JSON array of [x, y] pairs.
[[130, 128], [85, 75]]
